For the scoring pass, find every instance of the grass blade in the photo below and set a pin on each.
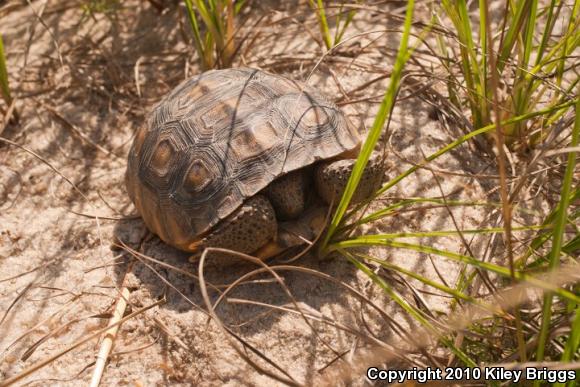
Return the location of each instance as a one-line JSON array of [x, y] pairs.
[[341, 28], [574, 340], [389, 210], [460, 141], [443, 233], [513, 32], [215, 45], [197, 39], [487, 266], [4, 87], [425, 280], [374, 134], [322, 22], [558, 236], [412, 311]]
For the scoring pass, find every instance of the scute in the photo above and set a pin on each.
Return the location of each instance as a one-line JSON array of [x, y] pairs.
[[198, 177], [220, 138], [161, 159], [258, 138]]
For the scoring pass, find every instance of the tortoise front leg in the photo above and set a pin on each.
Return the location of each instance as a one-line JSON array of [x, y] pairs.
[[331, 178], [246, 230], [287, 195]]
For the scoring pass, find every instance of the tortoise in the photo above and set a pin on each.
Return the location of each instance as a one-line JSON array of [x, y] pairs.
[[229, 154]]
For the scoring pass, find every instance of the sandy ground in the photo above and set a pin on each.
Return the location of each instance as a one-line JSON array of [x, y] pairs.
[[77, 72]]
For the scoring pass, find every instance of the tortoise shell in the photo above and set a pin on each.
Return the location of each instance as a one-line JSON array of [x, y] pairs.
[[221, 137]]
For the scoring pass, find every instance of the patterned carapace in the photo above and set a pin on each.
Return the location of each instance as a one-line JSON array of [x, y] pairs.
[[221, 137]]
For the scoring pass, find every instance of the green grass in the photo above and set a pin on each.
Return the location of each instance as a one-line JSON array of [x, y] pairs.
[[375, 132], [4, 86], [533, 64], [524, 78], [94, 7], [342, 22], [214, 42], [557, 241]]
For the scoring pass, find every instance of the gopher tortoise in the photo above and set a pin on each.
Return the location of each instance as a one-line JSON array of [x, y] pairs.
[[230, 154]]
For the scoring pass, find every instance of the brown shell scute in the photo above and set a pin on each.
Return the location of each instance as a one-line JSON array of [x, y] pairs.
[[220, 138]]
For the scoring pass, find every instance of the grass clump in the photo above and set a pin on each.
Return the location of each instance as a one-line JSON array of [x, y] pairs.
[[560, 223], [516, 86], [4, 87], [215, 42], [342, 22], [529, 58]]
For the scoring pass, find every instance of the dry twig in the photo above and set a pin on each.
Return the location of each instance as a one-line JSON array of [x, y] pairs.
[[110, 335]]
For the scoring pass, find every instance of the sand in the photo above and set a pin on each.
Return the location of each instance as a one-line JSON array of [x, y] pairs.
[[97, 72]]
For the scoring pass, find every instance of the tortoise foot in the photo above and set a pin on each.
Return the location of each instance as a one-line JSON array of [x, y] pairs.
[[331, 178], [246, 230]]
